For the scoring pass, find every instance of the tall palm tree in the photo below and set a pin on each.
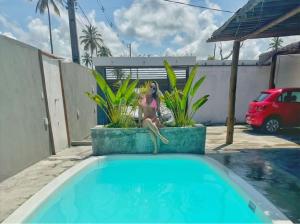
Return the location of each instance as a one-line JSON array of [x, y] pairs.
[[91, 39], [42, 6], [276, 42], [104, 51], [87, 59]]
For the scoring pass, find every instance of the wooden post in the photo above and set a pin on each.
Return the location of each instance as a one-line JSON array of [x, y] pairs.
[[272, 72], [232, 92]]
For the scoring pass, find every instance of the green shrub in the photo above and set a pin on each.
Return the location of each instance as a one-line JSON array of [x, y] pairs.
[[177, 100], [117, 106]]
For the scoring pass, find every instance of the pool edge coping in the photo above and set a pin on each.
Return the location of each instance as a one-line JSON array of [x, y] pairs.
[[267, 207], [28, 207]]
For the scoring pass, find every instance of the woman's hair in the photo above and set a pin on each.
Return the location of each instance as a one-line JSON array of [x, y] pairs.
[[155, 95]]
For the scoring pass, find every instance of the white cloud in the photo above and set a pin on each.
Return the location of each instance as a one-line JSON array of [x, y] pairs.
[[109, 36], [178, 39], [187, 28], [156, 21], [175, 30], [37, 33]]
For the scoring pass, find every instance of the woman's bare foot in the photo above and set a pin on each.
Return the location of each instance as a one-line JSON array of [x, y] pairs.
[[163, 139]]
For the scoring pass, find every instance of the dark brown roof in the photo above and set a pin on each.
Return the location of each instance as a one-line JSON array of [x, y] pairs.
[[254, 20]]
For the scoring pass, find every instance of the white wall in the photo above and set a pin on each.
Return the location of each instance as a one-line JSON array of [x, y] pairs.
[[288, 71], [251, 80], [81, 110], [24, 138], [24, 134]]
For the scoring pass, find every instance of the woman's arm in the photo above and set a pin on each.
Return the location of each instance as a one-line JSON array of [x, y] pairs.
[[140, 116], [158, 109]]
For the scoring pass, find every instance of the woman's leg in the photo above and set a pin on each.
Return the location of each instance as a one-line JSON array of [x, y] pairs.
[[149, 124], [154, 140], [153, 137]]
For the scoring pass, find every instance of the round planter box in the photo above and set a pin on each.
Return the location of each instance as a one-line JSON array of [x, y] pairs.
[[138, 140]]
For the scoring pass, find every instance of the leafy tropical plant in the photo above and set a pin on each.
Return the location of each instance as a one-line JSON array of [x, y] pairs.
[[42, 6], [177, 100], [118, 106], [145, 87]]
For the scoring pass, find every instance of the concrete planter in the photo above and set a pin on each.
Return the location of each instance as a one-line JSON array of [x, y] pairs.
[[138, 140]]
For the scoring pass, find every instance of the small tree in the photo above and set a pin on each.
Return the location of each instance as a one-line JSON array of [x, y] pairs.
[[42, 6], [276, 43], [87, 59], [104, 51], [212, 57], [91, 40]]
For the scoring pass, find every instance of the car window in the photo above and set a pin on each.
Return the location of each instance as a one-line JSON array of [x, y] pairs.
[[262, 97], [290, 97], [296, 97]]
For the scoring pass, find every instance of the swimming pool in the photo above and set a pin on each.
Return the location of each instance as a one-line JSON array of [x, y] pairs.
[[163, 188]]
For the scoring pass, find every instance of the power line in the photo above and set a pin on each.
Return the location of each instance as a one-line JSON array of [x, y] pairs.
[[198, 6], [110, 23], [103, 10], [80, 22], [85, 16]]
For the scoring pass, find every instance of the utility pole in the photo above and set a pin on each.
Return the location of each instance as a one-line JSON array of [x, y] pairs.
[[73, 32], [129, 47]]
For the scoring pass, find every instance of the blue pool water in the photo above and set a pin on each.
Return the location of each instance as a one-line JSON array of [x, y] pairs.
[[147, 190]]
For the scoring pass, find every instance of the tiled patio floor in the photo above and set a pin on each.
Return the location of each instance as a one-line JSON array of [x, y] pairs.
[[15, 190], [251, 156]]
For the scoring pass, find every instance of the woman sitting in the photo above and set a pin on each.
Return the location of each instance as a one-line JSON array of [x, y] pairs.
[[149, 105]]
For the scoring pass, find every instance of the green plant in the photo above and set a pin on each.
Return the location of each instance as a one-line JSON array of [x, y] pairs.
[[117, 106], [144, 88], [177, 100]]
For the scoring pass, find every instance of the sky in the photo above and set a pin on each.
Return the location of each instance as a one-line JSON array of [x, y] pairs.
[[153, 27]]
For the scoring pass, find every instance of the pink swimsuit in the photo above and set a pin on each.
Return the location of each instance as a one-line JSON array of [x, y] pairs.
[[153, 103]]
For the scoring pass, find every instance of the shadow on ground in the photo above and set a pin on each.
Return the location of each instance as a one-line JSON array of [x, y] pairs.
[[289, 134], [273, 172]]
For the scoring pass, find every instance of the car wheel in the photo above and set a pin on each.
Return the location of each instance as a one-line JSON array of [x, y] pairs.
[[271, 125]]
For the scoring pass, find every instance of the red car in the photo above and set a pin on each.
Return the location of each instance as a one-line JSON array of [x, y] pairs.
[[275, 108]]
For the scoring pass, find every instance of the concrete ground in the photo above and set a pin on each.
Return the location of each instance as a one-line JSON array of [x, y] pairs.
[[15, 190], [270, 163]]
